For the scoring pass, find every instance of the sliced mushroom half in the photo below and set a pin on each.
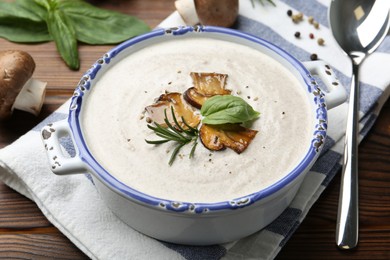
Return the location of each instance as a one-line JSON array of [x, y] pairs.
[[181, 110], [206, 85]]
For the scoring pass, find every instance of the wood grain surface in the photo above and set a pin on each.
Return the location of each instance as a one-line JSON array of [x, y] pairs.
[[26, 234]]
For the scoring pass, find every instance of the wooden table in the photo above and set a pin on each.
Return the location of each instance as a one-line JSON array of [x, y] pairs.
[[26, 233]]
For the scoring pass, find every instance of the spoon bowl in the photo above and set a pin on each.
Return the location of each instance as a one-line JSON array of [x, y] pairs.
[[359, 27]]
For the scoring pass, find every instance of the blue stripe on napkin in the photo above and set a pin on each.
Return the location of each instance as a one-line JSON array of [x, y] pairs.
[[329, 176], [294, 227], [385, 45], [282, 224], [198, 252], [329, 142], [369, 121], [325, 162]]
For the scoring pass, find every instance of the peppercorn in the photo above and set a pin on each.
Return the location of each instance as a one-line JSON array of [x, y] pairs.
[[313, 56], [316, 25], [289, 12], [297, 34], [320, 41], [310, 19], [311, 36], [297, 17]]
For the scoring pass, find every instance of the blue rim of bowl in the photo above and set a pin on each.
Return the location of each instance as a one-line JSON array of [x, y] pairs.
[[86, 81]]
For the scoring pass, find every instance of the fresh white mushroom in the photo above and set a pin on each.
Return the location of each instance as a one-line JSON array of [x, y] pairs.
[[208, 12], [17, 88]]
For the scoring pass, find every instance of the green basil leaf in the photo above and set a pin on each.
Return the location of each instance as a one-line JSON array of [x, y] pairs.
[[227, 109], [24, 31], [64, 36], [47, 4], [13, 10], [99, 26], [20, 23], [33, 7]]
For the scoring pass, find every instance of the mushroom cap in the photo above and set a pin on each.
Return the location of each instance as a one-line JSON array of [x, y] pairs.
[[16, 68], [217, 12]]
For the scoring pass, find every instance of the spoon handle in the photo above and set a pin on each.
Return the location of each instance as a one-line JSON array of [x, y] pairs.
[[348, 211]]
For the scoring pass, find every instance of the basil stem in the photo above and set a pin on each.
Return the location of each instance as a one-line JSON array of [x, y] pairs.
[[64, 37], [62, 32]]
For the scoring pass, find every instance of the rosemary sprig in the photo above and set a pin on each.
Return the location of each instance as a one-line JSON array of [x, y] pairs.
[[175, 133]]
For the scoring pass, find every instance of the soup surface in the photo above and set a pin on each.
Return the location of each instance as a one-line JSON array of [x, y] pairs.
[[115, 128]]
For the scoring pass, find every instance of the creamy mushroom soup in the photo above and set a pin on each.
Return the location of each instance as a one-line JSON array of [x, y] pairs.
[[115, 119]]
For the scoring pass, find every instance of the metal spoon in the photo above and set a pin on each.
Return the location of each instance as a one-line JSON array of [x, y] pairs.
[[358, 26]]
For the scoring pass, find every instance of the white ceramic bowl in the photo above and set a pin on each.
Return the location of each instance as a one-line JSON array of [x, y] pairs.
[[180, 221]]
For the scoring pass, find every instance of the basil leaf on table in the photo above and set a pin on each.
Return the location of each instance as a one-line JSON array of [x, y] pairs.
[[33, 7], [24, 31], [65, 38], [98, 26], [13, 10], [227, 109], [66, 22], [62, 31], [22, 21]]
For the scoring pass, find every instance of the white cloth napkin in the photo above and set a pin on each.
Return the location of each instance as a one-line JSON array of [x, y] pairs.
[[72, 204]]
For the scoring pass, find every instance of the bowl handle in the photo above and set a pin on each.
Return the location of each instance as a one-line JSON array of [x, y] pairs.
[[336, 94], [61, 162]]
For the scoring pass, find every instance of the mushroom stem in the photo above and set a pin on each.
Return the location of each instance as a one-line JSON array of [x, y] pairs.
[[187, 11], [31, 97]]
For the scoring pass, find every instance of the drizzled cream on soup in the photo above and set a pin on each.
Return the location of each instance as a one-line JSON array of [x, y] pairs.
[[114, 117]]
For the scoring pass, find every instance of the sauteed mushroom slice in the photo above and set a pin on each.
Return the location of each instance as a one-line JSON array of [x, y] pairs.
[[194, 98], [205, 85], [233, 136], [210, 83], [181, 109]]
